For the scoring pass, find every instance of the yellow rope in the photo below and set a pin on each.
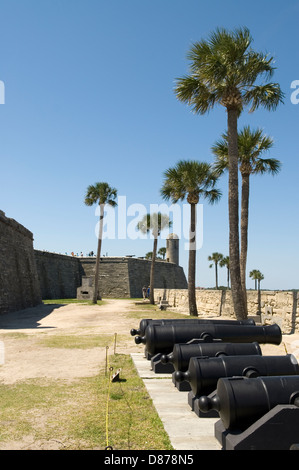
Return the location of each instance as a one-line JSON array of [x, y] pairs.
[[107, 404], [110, 369]]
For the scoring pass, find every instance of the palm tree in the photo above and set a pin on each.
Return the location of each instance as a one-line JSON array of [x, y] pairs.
[[224, 70], [257, 276], [101, 194], [216, 258], [192, 180], [251, 145], [154, 223], [225, 262], [162, 252]]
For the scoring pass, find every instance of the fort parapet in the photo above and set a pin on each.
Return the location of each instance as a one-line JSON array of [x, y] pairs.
[[19, 284]]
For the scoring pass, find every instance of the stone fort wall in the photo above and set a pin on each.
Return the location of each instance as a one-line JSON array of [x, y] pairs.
[[281, 307], [19, 284], [61, 275]]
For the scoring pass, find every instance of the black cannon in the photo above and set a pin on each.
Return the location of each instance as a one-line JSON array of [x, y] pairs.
[[260, 413], [182, 353], [176, 321], [161, 339], [203, 373]]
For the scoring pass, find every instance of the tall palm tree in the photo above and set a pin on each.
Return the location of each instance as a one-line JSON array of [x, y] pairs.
[[192, 180], [225, 70], [154, 223], [225, 262], [216, 258], [251, 145], [100, 193]]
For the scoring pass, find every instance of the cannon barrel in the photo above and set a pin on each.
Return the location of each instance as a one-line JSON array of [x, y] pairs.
[[203, 373], [176, 321], [161, 339], [182, 353], [241, 401]]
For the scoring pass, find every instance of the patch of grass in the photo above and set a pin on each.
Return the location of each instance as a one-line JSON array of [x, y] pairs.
[[14, 335], [88, 413], [156, 314], [79, 341], [71, 301]]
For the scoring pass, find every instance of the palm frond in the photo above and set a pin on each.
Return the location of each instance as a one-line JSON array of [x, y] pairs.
[[268, 96], [100, 193], [190, 177], [155, 223], [225, 66], [267, 165]]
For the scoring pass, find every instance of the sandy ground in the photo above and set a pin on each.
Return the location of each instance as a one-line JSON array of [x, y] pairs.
[[25, 359]]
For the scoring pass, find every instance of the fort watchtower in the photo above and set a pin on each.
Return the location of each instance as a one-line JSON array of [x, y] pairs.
[[172, 249]]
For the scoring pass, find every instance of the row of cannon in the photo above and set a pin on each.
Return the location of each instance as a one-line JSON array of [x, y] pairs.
[[221, 365]]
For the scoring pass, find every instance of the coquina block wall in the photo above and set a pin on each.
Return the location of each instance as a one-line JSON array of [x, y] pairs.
[[125, 276], [61, 275], [279, 307], [19, 284]]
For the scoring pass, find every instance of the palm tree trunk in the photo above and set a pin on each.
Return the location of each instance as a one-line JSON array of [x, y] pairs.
[[216, 274], [152, 273], [97, 269], [244, 233], [233, 207], [192, 263], [259, 307]]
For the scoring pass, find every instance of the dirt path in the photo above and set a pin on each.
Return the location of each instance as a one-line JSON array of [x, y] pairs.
[[25, 358]]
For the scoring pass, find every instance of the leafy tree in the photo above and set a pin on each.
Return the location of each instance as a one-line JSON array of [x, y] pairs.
[[190, 180], [101, 194], [154, 223], [216, 258], [251, 145], [226, 70]]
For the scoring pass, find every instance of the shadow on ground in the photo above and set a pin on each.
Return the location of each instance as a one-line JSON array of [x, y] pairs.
[[27, 318]]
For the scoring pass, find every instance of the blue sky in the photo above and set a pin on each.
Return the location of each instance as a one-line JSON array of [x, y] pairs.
[[89, 97]]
